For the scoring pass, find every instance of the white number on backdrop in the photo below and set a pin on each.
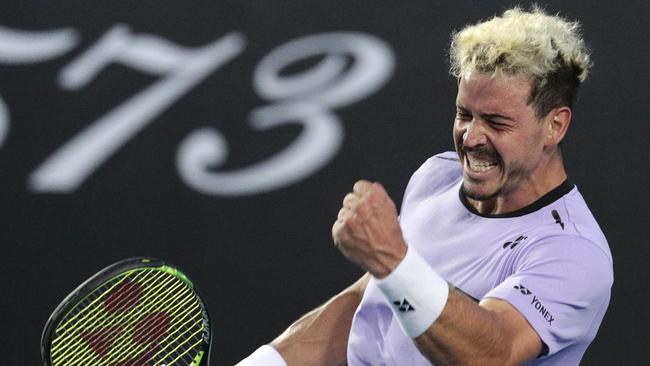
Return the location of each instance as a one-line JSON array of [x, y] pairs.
[[24, 47], [306, 99], [182, 69], [352, 66]]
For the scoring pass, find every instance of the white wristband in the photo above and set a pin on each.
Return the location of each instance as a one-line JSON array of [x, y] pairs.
[[263, 356], [415, 292]]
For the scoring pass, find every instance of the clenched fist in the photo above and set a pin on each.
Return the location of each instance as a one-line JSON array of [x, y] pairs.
[[367, 231]]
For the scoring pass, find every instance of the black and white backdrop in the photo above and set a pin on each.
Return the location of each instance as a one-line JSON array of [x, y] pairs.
[[222, 135]]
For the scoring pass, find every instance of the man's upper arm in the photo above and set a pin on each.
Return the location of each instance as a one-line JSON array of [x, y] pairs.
[[561, 288], [526, 343]]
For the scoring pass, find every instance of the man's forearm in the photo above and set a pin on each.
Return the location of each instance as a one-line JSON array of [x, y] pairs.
[[320, 337], [469, 334]]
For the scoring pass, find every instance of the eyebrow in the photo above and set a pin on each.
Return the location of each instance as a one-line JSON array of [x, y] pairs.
[[484, 115]]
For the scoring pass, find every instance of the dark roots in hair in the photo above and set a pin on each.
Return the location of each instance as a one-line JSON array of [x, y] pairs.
[[558, 88]]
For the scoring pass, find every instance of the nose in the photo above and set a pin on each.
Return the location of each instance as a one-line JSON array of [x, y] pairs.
[[473, 134]]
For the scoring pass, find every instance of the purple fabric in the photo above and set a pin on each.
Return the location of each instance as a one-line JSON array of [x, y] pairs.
[[553, 264]]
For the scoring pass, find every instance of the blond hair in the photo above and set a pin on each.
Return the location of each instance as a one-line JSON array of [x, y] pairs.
[[547, 49]]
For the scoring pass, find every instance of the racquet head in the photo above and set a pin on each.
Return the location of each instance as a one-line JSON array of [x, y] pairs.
[[137, 312]]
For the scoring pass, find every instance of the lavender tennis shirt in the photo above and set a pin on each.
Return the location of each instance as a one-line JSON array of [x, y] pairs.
[[550, 260]]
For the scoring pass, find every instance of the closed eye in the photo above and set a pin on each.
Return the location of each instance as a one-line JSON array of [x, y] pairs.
[[497, 120], [463, 116], [497, 125]]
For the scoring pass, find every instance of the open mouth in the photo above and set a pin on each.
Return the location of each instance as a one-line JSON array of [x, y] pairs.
[[480, 164]]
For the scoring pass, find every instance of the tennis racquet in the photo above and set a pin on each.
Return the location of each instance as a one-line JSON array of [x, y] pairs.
[[137, 312]]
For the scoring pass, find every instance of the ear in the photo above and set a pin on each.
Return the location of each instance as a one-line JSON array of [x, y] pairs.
[[558, 121]]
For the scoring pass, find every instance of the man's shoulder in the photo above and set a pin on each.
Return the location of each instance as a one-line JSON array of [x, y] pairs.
[[447, 156], [447, 159], [567, 227], [438, 171], [583, 221]]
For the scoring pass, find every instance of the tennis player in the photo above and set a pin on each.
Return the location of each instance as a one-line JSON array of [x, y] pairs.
[[495, 258]]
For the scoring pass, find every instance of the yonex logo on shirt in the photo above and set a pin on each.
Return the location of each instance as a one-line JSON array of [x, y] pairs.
[[514, 243], [536, 303], [523, 290]]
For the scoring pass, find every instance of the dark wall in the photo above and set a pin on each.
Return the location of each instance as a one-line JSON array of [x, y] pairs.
[[127, 129]]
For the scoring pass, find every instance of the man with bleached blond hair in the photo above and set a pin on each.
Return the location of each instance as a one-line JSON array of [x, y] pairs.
[[495, 258]]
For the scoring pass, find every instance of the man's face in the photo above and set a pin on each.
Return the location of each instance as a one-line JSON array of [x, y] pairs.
[[498, 138]]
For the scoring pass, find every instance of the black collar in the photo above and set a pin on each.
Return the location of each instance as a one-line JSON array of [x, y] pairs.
[[552, 196]]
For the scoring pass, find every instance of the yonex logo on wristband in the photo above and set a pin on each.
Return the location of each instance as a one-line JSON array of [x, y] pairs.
[[426, 291], [403, 306]]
